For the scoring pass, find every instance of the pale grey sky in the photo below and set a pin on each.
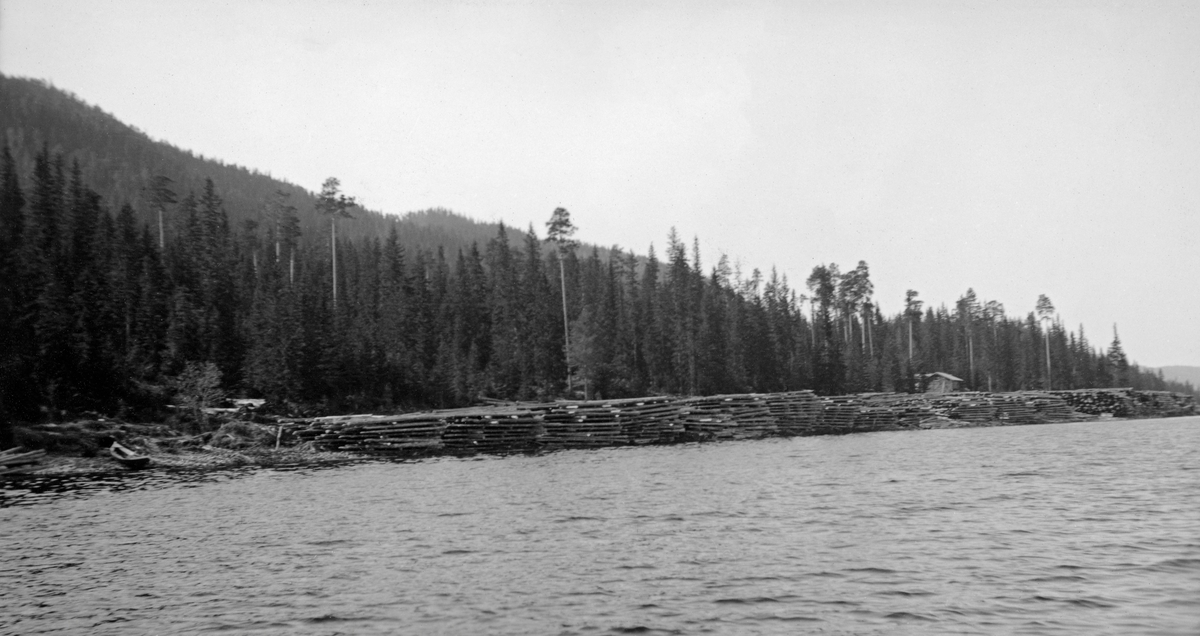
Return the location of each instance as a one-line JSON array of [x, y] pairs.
[[1019, 148]]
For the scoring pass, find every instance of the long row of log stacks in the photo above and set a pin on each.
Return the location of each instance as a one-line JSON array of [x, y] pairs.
[[665, 420]]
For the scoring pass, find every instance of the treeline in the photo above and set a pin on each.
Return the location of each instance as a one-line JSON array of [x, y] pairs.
[[122, 164], [102, 312]]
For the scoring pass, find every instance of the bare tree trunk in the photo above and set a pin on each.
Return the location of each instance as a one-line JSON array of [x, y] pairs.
[[910, 340], [871, 341], [1048, 359], [333, 243], [562, 279], [971, 357]]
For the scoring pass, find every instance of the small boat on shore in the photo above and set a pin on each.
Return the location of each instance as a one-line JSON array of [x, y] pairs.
[[128, 458]]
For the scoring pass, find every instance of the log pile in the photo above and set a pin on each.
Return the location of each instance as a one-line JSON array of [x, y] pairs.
[[1162, 403], [652, 420], [745, 416], [976, 408], [1050, 407], [387, 435], [1012, 409], [418, 431], [876, 418], [665, 419], [880, 411], [492, 430], [580, 425], [912, 411], [917, 416], [1115, 402], [838, 415], [795, 412]]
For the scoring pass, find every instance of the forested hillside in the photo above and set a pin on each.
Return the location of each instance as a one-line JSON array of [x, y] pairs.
[[122, 163], [103, 312]]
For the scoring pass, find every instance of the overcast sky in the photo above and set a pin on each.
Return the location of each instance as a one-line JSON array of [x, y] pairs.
[[1018, 148]]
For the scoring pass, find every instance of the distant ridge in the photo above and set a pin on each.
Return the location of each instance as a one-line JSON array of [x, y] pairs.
[[1182, 374]]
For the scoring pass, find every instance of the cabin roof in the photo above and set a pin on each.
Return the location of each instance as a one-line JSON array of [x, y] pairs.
[[944, 375]]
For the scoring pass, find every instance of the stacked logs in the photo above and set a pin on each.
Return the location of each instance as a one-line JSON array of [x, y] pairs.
[[651, 420], [492, 430], [1164, 403], [382, 434], [1115, 402], [1049, 406], [665, 419], [976, 408], [745, 416], [580, 425], [912, 411], [795, 412], [1014, 409], [838, 415], [876, 418]]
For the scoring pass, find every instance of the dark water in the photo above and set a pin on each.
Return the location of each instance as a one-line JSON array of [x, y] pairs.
[[1061, 529]]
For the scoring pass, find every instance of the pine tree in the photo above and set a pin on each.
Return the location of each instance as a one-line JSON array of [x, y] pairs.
[[332, 203], [1045, 314], [559, 230], [829, 372]]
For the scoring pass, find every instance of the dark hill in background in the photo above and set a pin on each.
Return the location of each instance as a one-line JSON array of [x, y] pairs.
[[118, 161], [1182, 374]]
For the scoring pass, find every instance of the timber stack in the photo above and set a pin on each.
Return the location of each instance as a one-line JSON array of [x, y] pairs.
[[665, 419], [717, 417], [796, 412], [492, 430], [581, 425]]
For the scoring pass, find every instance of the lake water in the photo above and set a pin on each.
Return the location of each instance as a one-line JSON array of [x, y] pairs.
[[1087, 528]]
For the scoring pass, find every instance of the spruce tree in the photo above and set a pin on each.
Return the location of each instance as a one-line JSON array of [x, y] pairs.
[[1118, 364]]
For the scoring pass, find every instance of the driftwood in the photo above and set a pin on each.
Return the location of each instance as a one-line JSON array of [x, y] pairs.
[[16, 461]]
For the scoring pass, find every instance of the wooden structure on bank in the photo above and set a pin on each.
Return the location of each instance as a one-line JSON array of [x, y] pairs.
[[939, 382], [666, 419]]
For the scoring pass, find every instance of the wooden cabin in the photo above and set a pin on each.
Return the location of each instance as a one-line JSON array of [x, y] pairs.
[[939, 382]]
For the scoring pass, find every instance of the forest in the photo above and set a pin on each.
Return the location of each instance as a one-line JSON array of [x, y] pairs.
[[133, 269], [107, 313]]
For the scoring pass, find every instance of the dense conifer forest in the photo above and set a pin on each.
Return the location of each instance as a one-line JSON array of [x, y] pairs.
[[130, 266]]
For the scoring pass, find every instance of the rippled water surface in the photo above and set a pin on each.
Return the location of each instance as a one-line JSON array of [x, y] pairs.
[[1061, 529]]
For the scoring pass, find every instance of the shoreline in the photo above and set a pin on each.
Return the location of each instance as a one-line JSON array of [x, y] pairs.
[[244, 438], [210, 458]]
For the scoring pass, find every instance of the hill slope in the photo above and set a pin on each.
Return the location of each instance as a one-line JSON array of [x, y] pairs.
[[118, 161], [100, 317]]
